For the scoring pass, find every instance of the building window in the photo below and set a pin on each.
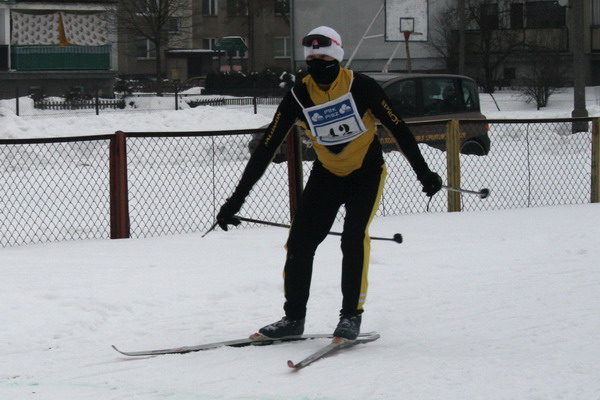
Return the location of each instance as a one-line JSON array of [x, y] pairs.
[[282, 7], [146, 7], [209, 7], [489, 15], [596, 12], [282, 47], [544, 14], [209, 43], [175, 26], [145, 50], [516, 16], [236, 8]]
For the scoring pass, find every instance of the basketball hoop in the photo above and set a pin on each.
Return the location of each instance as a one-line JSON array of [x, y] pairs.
[[404, 18], [407, 26]]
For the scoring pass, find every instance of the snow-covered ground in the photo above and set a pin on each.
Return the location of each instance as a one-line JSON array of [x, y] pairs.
[[149, 115], [495, 305], [481, 305]]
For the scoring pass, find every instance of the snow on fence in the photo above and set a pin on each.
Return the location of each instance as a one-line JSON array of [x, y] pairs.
[[55, 106], [79, 104], [151, 184]]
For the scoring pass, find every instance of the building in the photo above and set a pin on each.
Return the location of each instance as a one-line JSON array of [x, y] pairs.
[[530, 23], [61, 46], [198, 27], [57, 47]]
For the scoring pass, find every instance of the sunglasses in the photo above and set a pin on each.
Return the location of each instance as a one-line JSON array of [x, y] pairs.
[[317, 41]]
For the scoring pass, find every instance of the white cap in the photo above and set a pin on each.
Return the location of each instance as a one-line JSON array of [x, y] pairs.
[[335, 50]]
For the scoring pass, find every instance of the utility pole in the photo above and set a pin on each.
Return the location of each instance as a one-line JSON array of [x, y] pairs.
[[579, 65], [292, 40], [461, 37]]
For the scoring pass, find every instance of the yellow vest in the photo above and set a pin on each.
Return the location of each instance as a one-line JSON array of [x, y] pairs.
[[351, 157]]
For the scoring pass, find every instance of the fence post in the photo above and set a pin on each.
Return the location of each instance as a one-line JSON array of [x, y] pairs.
[[119, 200], [595, 196], [97, 101], [295, 173], [254, 104], [453, 163], [176, 99]]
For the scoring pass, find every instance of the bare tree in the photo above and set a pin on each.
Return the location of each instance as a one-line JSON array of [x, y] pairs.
[[545, 76], [487, 45], [444, 41], [254, 10], [490, 45], [152, 20]]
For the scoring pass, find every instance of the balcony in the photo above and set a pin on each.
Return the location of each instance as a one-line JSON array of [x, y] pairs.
[[60, 58]]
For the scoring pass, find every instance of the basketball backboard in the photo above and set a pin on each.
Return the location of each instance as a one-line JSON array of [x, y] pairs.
[[406, 16]]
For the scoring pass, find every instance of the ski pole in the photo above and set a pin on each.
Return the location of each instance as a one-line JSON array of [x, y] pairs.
[[210, 229], [396, 238], [483, 193]]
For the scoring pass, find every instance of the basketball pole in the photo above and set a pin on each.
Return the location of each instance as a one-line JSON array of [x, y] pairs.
[[408, 63], [365, 36], [389, 61]]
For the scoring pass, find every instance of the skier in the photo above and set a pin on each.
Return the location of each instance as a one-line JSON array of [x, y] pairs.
[[338, 109]]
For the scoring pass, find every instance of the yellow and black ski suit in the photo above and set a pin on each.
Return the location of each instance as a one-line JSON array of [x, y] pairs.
[[350, 174]]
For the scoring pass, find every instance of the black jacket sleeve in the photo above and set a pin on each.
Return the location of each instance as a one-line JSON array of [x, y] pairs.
[[284, 118], [382, 110]]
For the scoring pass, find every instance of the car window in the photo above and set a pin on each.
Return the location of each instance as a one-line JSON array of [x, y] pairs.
[[439, 96], [450, 99], [403, 95], [470, 95]]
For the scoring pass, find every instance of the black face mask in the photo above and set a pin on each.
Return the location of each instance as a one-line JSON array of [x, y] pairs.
[[323, 71]]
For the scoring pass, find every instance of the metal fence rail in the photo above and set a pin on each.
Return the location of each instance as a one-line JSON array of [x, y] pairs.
[[53, 107], [61, 189]]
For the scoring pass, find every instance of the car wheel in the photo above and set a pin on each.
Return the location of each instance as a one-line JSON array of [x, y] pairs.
[[473, 147]]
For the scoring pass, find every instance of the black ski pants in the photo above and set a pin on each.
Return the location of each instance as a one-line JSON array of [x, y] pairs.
[[324, 194]]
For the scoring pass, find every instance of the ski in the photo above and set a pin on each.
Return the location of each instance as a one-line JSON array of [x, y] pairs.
[[254, 340], [336, 344]]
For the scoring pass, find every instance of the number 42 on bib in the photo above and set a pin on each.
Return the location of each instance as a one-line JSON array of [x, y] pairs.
[[336, 121]]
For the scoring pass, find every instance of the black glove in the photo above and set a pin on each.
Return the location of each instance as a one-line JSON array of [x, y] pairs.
[[432, 183], [226, 215]]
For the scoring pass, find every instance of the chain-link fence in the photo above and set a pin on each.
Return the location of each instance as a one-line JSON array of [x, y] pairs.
[[177, 183], [531, 163], [53, 190], [60, 189]]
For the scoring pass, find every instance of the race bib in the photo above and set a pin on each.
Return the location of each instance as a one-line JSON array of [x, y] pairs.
[[336, 121]]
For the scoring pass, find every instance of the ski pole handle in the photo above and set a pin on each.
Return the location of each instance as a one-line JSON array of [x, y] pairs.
[[483, 193]]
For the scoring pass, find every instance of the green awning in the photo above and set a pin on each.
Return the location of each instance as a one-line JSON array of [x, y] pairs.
[[231, 43]]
